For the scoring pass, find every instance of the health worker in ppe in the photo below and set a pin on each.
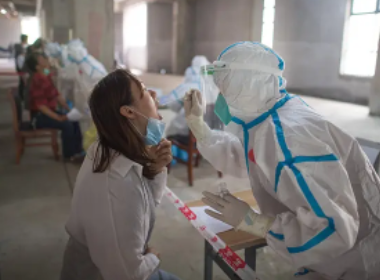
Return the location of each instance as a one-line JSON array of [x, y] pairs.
[[178, 129], [86, 71], [318, 193]]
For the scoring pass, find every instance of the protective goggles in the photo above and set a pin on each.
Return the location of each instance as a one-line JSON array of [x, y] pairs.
[[222, 66], [208, 85]]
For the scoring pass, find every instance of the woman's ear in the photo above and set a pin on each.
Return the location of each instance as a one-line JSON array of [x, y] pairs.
[[127, 112]]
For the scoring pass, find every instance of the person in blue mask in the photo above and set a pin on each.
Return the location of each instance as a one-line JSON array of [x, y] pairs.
[[317, 191], [121, 182], [44, 100]]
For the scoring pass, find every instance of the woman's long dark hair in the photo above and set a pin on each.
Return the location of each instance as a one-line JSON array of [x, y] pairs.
[[116, 133]]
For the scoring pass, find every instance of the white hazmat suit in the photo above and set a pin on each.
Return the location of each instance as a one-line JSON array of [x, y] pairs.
[[318, 194], [77, 65], [178, 125]]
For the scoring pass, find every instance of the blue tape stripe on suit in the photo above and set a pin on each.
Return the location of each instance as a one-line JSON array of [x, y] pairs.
[[330, 229], [277, 235], [300, 159]]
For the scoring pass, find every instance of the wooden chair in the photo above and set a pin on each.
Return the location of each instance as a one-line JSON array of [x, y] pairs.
[[24, 131], [193, 156]]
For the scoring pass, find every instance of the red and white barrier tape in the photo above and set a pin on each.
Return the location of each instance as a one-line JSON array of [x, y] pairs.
[[229, 256]]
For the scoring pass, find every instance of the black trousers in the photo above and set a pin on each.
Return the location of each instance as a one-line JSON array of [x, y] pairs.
[[71, 134], [21, 88]]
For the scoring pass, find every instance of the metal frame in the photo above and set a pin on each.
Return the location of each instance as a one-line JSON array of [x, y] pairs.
[[212, 256], [376, 11]]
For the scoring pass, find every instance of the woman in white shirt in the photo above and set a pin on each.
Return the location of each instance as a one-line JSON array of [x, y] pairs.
[[120, 182]]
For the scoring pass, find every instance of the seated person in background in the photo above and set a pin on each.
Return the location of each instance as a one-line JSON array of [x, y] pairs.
[[178, 129], [118, 187], [44, 98]]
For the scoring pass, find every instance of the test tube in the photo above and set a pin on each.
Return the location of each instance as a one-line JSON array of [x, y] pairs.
[[222, 189]]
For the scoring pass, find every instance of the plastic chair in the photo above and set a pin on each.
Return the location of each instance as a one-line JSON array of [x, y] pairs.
[[25, 130]]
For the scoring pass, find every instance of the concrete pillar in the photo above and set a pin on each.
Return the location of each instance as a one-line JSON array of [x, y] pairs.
[[183, 34], [92, 21], [257, 20], [160, 37], [374, 99], [118, 33], [58, 20], [94, 24]]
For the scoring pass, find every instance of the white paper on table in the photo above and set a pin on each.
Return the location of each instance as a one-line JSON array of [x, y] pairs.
[[214, 225], [74, 115]]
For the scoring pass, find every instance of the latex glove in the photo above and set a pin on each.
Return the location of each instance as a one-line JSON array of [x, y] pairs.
[[237, 213], [74, 115], [193, 104], [194, 115]]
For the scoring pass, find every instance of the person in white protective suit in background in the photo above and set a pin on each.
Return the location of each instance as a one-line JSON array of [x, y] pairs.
[[77, 64], [82, 67], [178, 128], [318, 193]]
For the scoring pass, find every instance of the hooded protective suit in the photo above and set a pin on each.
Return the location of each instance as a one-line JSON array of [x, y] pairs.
[[78, 65], [178, 125], [316, 189]]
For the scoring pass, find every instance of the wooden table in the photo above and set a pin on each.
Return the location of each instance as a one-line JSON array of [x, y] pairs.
[[236, 240]]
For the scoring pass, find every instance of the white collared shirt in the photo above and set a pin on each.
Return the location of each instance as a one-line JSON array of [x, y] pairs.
[[110, 215]]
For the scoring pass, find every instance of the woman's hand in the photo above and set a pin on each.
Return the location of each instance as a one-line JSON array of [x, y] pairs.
[[50, 113], [162, 155]]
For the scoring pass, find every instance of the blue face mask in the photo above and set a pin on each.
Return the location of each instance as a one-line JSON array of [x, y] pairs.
[[222, 110], [46, 71], [154, 130]]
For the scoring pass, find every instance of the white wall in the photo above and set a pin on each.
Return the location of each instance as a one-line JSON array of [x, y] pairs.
[[10, 31], [308, 35]]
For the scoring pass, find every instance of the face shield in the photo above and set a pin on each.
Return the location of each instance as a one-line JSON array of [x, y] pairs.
[[210, 74]]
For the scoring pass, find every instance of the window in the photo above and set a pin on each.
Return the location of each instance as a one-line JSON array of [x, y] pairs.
[[268, 22], [31, 27], [361, 39], [135, 25]]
